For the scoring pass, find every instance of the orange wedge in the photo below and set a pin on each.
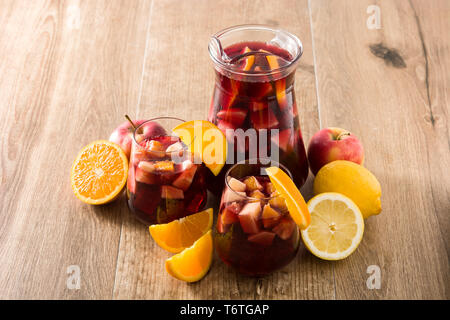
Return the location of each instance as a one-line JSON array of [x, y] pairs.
[[249, 60], [193, 263], [99, 172], [294, 199], [280, 85], [181, 234], [205, 141]]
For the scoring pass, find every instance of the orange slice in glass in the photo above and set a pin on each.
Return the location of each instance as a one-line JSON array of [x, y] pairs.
[[294, 199], [99, 172], [205, 141], [249, 61], [193, 263], [181, 234], [280, 84]]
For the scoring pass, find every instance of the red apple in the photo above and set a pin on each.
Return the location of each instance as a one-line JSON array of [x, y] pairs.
[[123, 135], [332, 144]]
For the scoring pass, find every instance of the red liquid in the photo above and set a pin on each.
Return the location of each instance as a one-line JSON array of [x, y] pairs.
[[254, 244], [264, 102], [161, 188]]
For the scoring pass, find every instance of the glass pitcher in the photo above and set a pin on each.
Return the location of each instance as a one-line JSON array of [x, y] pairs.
[[254, 91]]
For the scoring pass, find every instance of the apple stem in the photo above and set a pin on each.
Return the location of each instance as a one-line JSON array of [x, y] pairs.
[[345, 133], [128, 118]]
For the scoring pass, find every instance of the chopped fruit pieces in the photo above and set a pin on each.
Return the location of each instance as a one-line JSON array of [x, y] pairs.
[[184, 180], [229, 214], [257, 194], [248, 217], [193, 263], [145, 177], [284, 228], [99, 172], [236, 185], [278, 202], [264, 119], [294, 199], [234, 116], [169, 192], [164, 166], [155, 148], [264, 238], [270, 188], [231, 196], [147, 166], [181, 234], [270, 216], [253, 184], [177, 146]]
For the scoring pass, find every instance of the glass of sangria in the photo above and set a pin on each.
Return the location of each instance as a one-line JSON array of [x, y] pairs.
[[254, 232], [254, 91], [164, 182]]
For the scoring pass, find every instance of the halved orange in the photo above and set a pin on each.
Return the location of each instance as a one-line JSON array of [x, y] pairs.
[[99, 172], [193, 263], [294, 200], [181, 234], [206, 141]]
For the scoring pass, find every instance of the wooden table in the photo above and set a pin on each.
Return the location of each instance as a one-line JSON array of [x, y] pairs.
[[70, 70]]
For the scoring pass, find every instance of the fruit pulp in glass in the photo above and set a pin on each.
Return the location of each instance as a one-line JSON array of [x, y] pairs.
[[254, 232], [164, 183]]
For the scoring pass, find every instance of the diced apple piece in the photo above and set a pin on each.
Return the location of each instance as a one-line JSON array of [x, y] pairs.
[[264, 119], [184, 180], [270, 188], [147, 166], [278, 202], [264, 238], [236, 185], [284, 139], [253, 184], [285, 228], [145, 177], [231, 196], [169, 192], [154, 145], [164, 166], [235, 116], [177, 146], [248, 217], [257, 194], [270, 216], [230, 214]]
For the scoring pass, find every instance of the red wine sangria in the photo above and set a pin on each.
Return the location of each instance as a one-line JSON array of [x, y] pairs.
[[254, 232], [254, 91], [164, 182]]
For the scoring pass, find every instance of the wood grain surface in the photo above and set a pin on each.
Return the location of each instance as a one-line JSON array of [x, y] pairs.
[[71, 70]]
